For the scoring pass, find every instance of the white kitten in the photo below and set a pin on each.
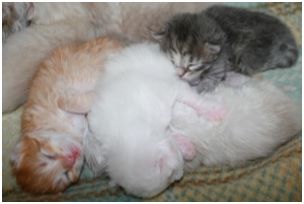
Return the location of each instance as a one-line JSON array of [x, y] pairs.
[[243, 119], [130, 120], [148, 122]]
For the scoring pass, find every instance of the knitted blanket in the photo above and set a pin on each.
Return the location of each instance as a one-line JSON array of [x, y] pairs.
[[275, 178]]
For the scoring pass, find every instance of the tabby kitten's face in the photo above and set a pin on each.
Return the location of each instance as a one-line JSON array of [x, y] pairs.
[[191, 62], [187, 45], [47, 165]]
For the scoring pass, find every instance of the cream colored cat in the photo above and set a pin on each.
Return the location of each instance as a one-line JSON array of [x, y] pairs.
[[54, 24], [49, 154]]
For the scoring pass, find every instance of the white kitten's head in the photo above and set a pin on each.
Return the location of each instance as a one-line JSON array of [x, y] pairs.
[[144, 168], [47, 164]]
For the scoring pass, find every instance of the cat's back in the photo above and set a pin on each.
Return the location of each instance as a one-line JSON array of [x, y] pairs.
[[136, 90], [138, 67], [257, 118], [65, 71], [238, 19], [70, 63]]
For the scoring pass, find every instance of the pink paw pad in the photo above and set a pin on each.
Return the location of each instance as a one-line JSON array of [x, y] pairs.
[[187, 148]]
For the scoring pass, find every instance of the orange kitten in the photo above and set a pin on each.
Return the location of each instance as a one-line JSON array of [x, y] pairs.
[[48, 156]]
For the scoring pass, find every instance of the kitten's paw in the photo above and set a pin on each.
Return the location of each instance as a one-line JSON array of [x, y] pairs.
[[187, 108], [186, 146], [212, 112], [207, 85], [184, 117]]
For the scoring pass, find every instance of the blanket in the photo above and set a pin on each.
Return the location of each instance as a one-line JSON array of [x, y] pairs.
[[275, 178]]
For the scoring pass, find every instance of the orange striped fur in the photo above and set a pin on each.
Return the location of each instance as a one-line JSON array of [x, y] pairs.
[[48, 156]]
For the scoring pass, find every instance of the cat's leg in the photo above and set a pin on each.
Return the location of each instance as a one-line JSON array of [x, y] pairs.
[[209, 111], [78, 92], [77, 103], [185, 145], [208, 108], [257, 58], [208, 84], [215, 75], [212, 80]]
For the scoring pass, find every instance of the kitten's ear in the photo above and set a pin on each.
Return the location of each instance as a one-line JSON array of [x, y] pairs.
[[212, 48], [158, 35], [186, 146], [22, 146]]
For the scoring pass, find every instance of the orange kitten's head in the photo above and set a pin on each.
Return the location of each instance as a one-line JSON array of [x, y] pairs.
[[47, 164]]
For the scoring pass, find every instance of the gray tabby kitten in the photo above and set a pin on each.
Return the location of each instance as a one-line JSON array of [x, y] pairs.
[[204, 46]]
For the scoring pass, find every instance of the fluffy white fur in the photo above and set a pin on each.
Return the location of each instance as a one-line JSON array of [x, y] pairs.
[[54, 24], [146, 123], [133, 132], [241, 120]]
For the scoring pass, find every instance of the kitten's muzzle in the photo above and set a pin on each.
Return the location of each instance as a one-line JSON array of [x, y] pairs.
[[70, 159], [181, 71]]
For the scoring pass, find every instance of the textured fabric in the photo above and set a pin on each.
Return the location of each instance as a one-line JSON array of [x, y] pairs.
[[275, 178]]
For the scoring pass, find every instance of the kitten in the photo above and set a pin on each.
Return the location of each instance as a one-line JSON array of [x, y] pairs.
[[243, 119], [54, 24], [205, 45], [129, 132], [49, 153], [147, 125]]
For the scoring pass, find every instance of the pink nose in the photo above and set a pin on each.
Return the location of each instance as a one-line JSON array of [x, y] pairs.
[[180, 71], [70, 159]]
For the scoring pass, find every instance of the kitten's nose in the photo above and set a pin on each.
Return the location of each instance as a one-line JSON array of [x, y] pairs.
[[180, 71], [70, 159]]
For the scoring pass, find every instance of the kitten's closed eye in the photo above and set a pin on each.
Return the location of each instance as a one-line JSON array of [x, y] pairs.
[[193, 67], [49, 155]]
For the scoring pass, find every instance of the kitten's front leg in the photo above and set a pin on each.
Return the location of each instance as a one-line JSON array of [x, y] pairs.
[[207, 84], [209, 109], [216, 75], [77, 103], [211, 112]]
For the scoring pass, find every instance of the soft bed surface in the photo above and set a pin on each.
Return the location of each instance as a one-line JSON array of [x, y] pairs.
[[275, 178]]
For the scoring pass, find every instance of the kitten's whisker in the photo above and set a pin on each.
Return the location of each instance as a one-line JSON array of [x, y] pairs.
[[218, 72], [205, 68]]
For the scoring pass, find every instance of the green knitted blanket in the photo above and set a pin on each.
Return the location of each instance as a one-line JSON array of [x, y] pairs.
[[275, 178]]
